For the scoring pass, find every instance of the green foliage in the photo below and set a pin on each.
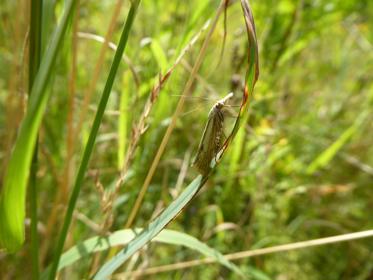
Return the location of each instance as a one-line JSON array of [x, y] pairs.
[[123, 237], [13, 194], [154, 228], [300, 166]]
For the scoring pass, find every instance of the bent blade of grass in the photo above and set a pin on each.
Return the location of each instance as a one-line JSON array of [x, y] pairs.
[[177, 205], [252, 73], [13, 196], [123, 237], [153, 229]]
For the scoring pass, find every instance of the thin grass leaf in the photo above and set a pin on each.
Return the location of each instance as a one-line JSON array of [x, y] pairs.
[[48, 18], [34, 64], [123, 237], [92, 136], [153, 229], [252, 74], [253, 57], [13, 196]]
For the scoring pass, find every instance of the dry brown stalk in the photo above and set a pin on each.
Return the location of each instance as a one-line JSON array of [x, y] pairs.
[[256, 252]]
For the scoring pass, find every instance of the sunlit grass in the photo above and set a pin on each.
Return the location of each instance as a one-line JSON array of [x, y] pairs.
[[299, 168]]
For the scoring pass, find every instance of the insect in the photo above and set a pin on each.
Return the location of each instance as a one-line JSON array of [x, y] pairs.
[[211, 141]]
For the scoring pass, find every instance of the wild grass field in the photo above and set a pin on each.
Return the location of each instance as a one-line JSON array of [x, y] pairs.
[[102, 108]]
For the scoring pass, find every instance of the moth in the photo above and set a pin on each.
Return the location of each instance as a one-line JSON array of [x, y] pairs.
[[212, 137]]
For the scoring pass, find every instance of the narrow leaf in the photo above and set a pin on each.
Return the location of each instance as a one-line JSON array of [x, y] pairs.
[[252, 74], [13, 195], [122, 237], [152, 230]]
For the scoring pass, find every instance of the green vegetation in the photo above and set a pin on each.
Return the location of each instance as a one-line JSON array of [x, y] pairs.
[[114, 127]]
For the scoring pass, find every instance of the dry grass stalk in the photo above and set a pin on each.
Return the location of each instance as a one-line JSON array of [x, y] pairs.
[[256, 252]]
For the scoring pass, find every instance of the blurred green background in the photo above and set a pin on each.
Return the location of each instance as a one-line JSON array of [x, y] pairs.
[[300, 168]]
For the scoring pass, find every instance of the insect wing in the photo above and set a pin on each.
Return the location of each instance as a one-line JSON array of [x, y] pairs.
[[210, 142]]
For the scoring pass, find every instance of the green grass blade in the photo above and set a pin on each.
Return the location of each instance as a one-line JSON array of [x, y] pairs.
[[34, 64], [253, 57], [153, 229], [13, 196], [252, 73], [123, 237], [92, 136]]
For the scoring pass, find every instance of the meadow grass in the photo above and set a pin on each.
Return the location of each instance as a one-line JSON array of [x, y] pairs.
[[96, 151]]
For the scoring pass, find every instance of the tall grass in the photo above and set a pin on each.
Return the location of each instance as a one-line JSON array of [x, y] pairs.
[[297, 167]]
